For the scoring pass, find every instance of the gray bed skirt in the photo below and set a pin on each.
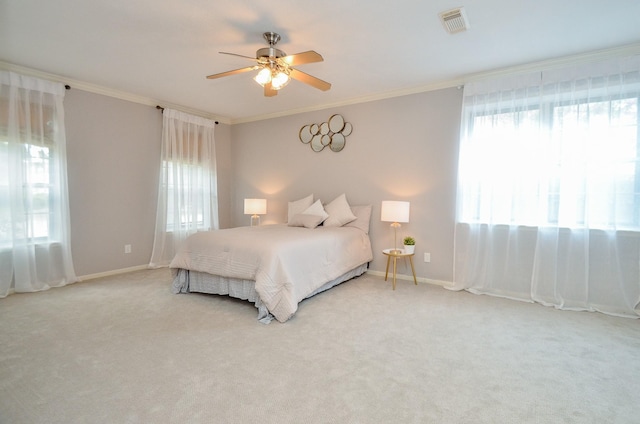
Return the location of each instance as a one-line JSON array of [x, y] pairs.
[[186, 281]]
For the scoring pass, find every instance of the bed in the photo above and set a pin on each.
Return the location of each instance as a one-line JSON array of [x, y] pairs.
[[277, 266]]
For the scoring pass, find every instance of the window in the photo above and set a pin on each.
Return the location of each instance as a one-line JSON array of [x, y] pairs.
[[571, 164], [187, 191], [549, 187], [190, 185], [34, 209], [598, 164], [36, 192]]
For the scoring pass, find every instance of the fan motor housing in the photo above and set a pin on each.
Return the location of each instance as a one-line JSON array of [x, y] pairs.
[[268, 52]]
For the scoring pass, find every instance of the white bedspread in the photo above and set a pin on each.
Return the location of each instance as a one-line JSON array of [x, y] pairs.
[[287, 263]]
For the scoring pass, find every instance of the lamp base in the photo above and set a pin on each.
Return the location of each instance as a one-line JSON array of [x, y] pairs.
[[255, 220], [396, 251]]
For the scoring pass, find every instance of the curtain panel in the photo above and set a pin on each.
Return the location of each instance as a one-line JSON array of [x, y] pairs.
[[35, 252], [548, 203], [187, 190]]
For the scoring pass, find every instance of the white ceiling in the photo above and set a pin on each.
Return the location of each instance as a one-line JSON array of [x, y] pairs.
[[162, 50]]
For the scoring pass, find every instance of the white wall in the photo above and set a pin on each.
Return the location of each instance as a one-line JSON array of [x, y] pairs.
[[113, 160], [403, 148]]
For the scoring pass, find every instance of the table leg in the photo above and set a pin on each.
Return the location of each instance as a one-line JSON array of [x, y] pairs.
[[386, 274], [395, 259], [413, 270]]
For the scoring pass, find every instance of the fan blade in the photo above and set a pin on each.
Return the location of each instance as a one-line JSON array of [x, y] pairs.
[[302, 58], [239, 55], [268, 91], [308, 79], [236, 71]]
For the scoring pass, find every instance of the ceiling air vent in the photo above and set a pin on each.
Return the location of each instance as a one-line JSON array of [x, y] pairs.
[[454, 20]]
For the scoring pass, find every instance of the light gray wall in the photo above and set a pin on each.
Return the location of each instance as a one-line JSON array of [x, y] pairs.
[[404, 148], [224, 167], [113, 155]]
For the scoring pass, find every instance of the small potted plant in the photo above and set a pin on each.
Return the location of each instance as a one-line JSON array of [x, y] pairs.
[[409, 245]]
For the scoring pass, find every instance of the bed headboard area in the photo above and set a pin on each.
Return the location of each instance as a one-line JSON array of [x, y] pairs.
[[311, 213]]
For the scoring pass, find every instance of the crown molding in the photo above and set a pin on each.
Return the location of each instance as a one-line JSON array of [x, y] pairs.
[[105, 91], [559, 62]]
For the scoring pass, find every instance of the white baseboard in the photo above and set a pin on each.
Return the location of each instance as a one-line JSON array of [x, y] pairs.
[[376, 273], [114, 272], [410, 278]]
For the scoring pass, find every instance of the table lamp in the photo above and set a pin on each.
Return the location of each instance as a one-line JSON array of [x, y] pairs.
[[395, 212], [255, 208]]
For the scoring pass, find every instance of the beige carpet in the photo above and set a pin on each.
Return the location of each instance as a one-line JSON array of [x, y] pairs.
[[124, 349]]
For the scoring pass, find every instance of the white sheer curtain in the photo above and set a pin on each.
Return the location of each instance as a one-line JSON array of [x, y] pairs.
[[549, 188], [35, 251], [187, 194]]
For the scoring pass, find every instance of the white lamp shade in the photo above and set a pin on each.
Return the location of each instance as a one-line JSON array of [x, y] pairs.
[[394, 211], [255, 206]]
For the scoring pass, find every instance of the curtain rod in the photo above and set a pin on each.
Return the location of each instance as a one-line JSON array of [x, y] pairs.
[[162, 109]]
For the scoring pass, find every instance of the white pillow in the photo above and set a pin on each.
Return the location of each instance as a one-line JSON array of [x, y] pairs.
[[299, 206], [363, 214], [307, 221], [339, 212], [316, 209]]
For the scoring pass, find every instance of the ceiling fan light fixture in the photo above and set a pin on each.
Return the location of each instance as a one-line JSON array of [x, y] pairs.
[[279, 80], [276, 68], [263, 77]]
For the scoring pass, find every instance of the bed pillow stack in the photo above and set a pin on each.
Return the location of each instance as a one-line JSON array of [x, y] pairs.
[[339, 212], [309, 214], [297, 214], [311, 217], [304, 220]]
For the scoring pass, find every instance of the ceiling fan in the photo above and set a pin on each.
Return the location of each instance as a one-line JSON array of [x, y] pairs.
[[276, 67]]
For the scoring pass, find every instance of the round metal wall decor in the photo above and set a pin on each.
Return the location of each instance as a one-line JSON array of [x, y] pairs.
[[332, 133]]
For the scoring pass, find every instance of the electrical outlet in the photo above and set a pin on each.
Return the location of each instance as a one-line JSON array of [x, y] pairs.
[[127, 248], [427, 257]]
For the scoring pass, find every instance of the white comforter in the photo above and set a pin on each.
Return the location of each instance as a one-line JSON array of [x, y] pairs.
[[287, 263]]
